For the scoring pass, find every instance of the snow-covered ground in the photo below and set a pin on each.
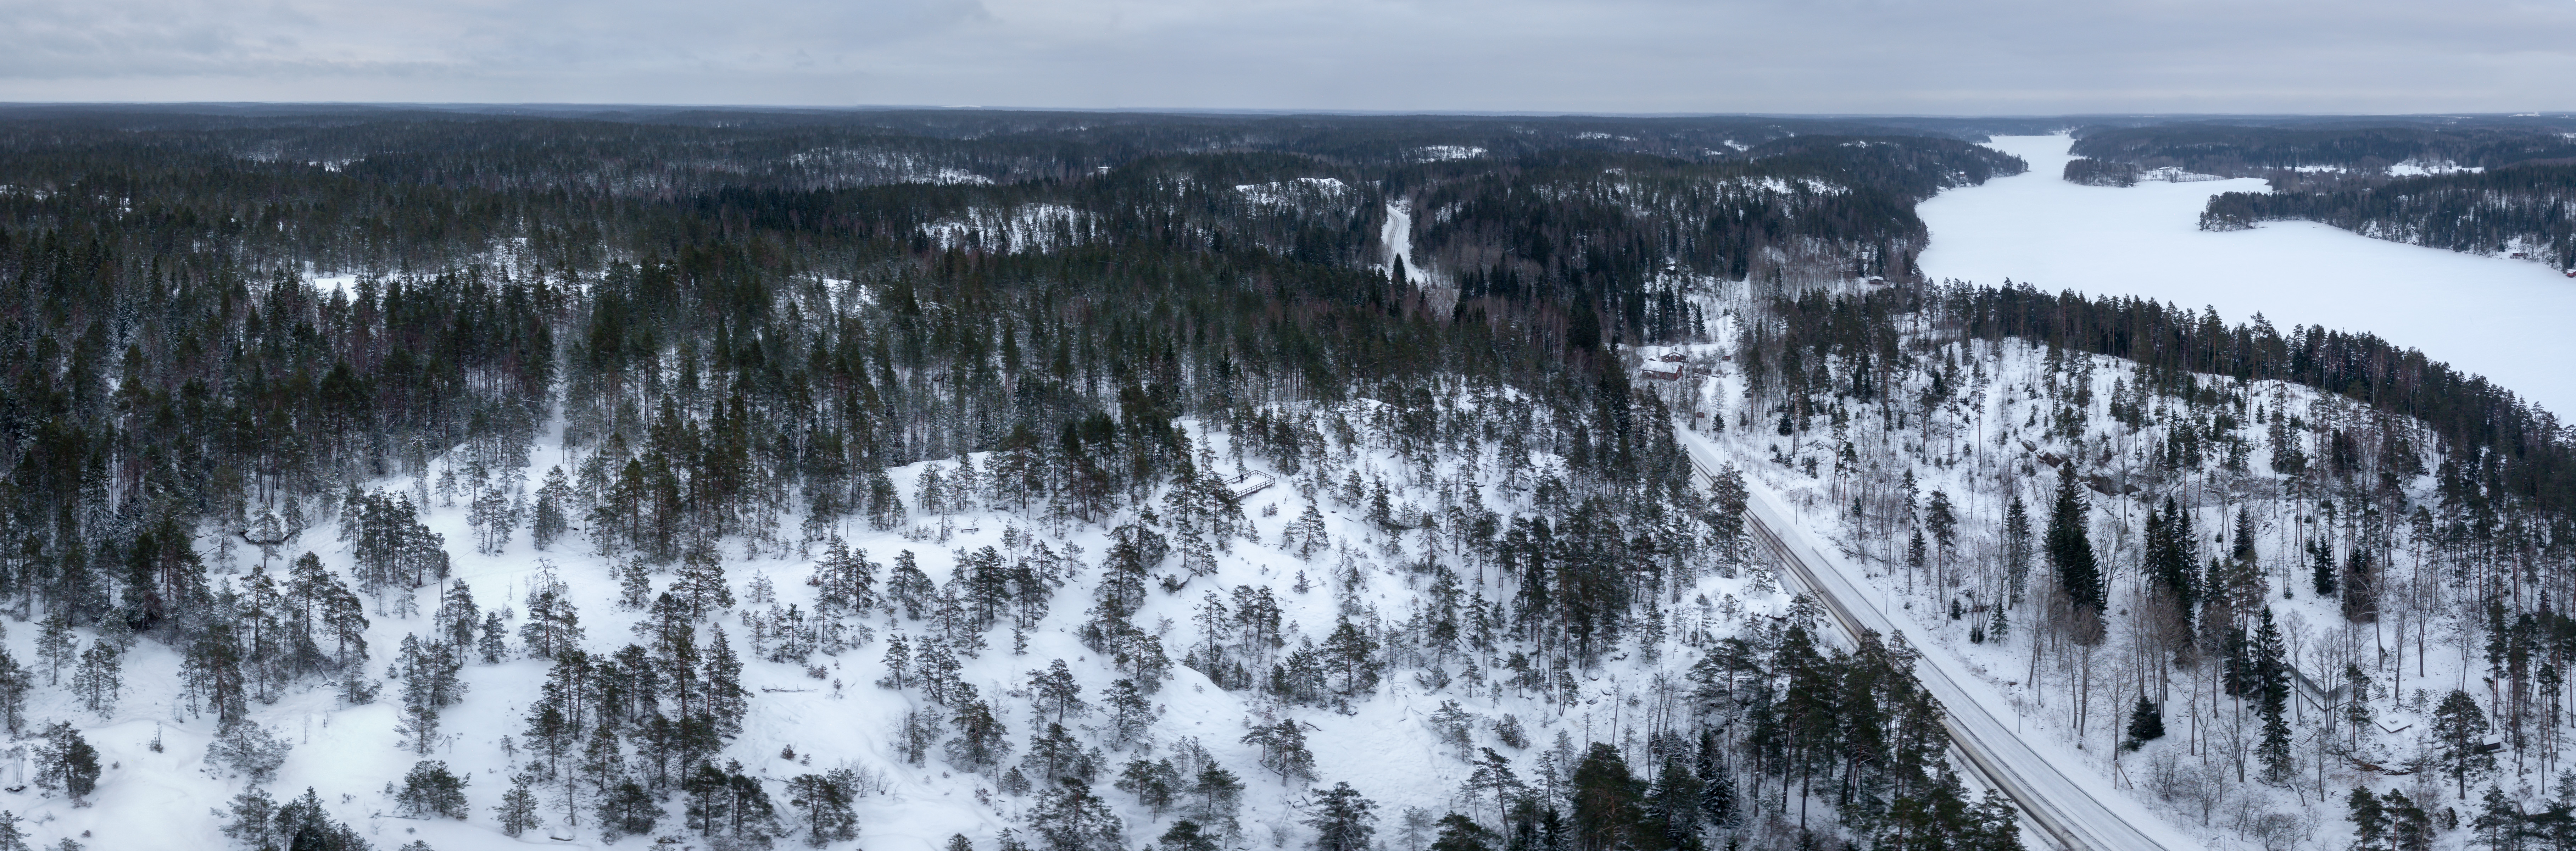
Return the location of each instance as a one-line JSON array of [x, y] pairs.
[[2504, 319], [1381, 744]]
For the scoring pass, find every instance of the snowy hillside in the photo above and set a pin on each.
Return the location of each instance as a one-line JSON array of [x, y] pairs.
[[2235, 537], [1410, 732]]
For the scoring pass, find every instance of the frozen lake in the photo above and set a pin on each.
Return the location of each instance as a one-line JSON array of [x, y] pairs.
[[2505, 319]]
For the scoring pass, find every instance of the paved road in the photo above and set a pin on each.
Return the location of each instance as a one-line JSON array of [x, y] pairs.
[[2054, 805]]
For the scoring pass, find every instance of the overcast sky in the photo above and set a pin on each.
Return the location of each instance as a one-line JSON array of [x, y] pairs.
[[1879, 56]]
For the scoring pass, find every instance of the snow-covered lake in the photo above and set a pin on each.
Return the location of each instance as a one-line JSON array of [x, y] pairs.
[[2505, 319]]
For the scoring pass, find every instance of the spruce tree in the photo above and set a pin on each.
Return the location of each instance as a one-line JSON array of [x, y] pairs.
[[2070, 547], [2146, 724], [2271, 669], [2369, 820]]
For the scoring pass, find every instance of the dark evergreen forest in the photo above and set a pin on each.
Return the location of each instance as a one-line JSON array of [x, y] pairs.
[[228, 327]]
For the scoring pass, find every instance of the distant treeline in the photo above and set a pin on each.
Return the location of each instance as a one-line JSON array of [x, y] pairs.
[[764, 317], [2238, 151], [2528, 208]]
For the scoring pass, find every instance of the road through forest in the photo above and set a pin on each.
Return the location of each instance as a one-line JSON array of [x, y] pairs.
[[2067, 813]]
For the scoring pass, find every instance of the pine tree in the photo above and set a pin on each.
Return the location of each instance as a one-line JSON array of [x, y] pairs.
[[518, 807], [701, 581], [1307, 535], [1606, 800], [1669, 813], [1342, 819], [1130, 714], [550, 518], [304, 824], [1054, 695], [980, 745], [15, 683], [827, 801], [58, 647], [908, 587], [1215, 796], [254, 820], [603, 764], [2410, 828], [429, 789], [628, 810], [1460, 833], [2459, 732], [726, 701], [248, 750], [100, 679], [554, 623], [845, 580], [634, 584], [1283, 750], [428, 671], [494, 646], [493, 514], [1140, 655], [1054, 755], [1154, 782], [66, 762], [1354, 655], [457, 615], [2499, 823], [1070, 818], [1185, 835]]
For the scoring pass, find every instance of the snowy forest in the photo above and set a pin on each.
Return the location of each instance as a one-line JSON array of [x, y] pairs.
[[992, 481]]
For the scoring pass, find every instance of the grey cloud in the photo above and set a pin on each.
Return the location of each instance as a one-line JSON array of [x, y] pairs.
[[1618, 55]]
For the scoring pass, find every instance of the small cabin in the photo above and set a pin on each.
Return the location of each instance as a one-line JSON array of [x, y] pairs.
[[1673, 357], [1663, 371]]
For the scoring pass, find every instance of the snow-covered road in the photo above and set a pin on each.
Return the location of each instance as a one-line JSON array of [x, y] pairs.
[[2074, 811]]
